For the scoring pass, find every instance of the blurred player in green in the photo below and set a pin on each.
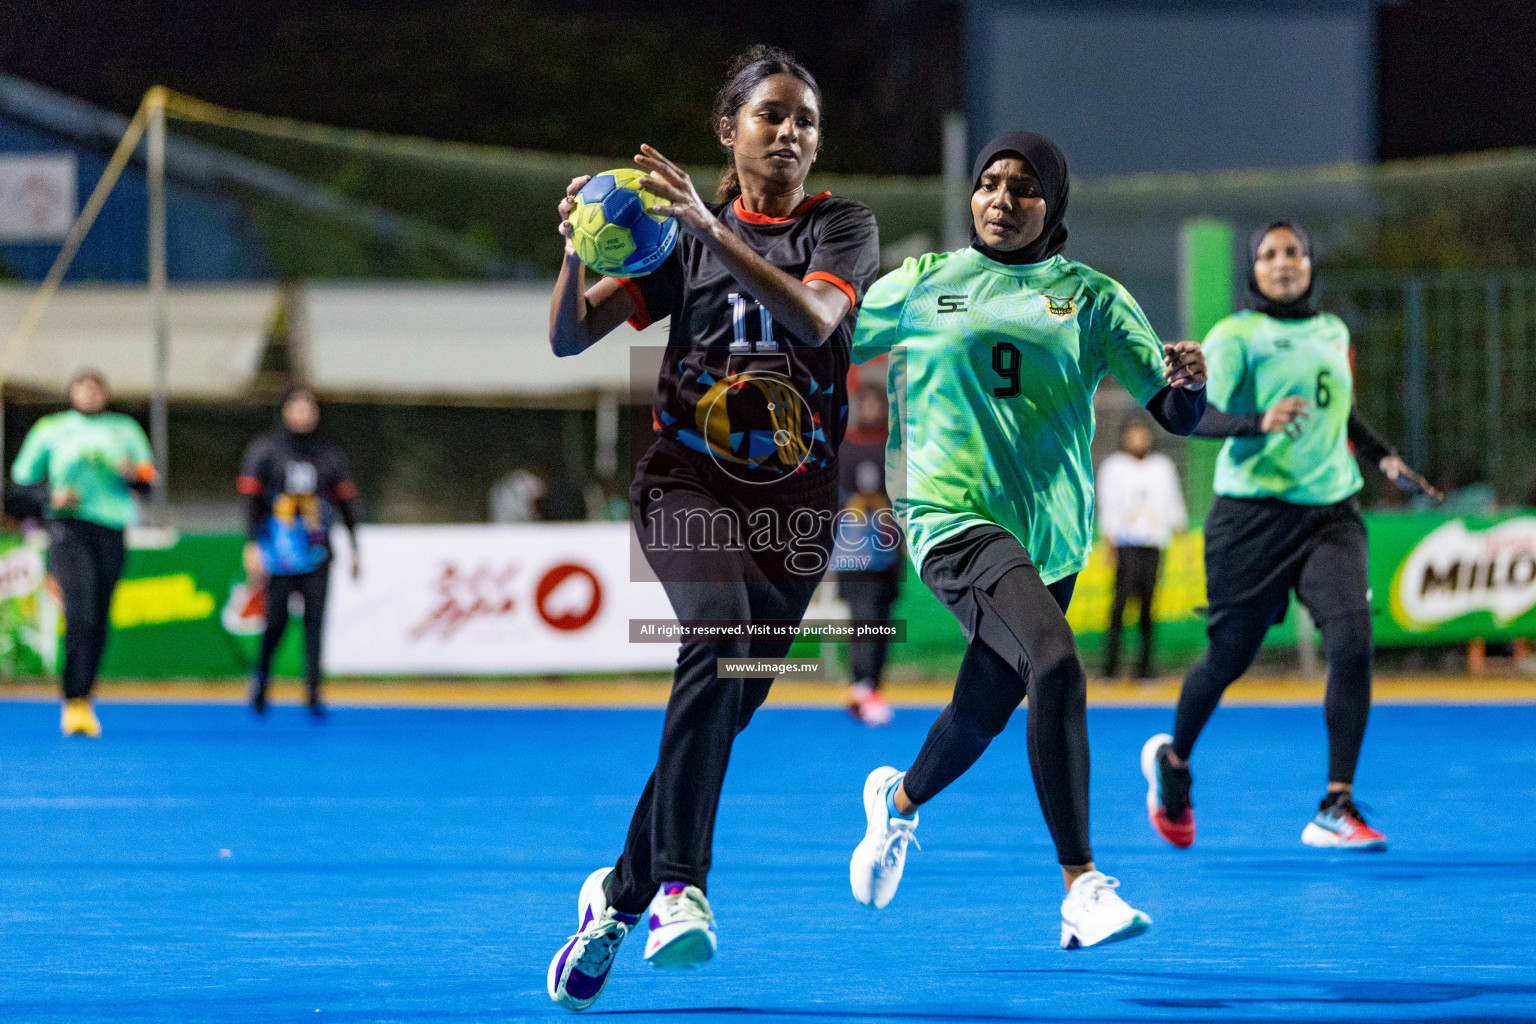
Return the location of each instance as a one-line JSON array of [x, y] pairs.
[[995, 353], [90, 462], [1285, 519]]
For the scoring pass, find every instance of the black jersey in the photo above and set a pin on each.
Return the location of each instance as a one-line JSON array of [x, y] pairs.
[[734, 384], [295, 483]]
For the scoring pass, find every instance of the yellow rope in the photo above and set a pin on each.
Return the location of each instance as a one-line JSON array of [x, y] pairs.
[[190, 108], [77, 232]]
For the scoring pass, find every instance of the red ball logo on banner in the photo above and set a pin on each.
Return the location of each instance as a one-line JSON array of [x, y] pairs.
[[563, 616]]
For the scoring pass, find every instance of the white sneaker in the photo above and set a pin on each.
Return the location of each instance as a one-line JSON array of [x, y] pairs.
[[682, 927], [579, 972], [878, 860], [1093, 913]]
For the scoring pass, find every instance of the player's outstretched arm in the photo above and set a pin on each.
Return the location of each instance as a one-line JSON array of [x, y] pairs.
[[1288, 415], [1373, 448], [578, 315], [1399, 472], [1178, 407], [809, 310]]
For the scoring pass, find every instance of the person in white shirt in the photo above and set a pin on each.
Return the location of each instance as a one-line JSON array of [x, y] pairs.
[[1140, 505]]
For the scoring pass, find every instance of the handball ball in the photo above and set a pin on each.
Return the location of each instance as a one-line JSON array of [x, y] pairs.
[[615, 232]]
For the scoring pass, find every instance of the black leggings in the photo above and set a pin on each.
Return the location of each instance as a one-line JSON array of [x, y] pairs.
[[671, 834], [1235, 636], [1135, 576], [87, 560], [1257, 552], [868, 601], [1022, 645], [313, 586]]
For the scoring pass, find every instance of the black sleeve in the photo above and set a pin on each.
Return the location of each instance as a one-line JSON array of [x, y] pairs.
[[255, 516], [1368, 444], [341, 490], [1177, 410], [29, 502], [847, 252], [251, 483], [347, 509], [659, 294], [1215, 423]]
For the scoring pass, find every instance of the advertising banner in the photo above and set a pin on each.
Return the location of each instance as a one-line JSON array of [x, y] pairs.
[[490, 600], [28, 613], [1434, 579], [554, 598], [1439, 580], [37, 196]]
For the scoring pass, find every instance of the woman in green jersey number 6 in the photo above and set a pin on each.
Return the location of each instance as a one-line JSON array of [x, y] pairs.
[[995, 352], [90, 462], [1285, 518]]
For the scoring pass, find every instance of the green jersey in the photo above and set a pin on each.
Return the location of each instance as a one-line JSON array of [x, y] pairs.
[[86, 454], [991, 381], [1254, 361]]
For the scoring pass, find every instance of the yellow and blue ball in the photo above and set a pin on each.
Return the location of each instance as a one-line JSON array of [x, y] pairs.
[[615, 231]]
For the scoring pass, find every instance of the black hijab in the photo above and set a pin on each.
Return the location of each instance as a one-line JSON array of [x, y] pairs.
[[1050, 166], [303, 445], [1303, 306]]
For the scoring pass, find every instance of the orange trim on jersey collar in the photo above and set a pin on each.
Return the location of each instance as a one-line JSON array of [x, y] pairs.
[[836, 282], [642, 318], [746, 216]]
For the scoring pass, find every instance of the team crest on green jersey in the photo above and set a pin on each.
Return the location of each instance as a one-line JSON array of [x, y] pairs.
[[1061, 309]]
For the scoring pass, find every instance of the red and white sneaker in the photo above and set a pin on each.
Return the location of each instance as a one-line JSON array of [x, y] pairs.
[[868, 705], [1168, 806], [1338, 825]]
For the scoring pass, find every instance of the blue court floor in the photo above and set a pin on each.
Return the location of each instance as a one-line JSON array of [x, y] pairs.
[[403, 865]]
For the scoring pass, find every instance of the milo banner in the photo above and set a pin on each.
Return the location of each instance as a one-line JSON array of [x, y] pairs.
[[1435, 579], [551, 598], [1445, 581]]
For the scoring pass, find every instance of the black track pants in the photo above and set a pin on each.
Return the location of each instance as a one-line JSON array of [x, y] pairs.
[[87, 560], [671, 834], [312, 586], [868, 601], [1135, 576]]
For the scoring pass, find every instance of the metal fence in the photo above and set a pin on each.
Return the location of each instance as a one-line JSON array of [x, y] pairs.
[[1445, 366]]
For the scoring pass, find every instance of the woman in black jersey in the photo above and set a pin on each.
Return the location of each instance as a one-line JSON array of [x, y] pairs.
[[297, 486], [734, 502]]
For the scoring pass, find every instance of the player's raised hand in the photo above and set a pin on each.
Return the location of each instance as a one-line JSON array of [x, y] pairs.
[[1288, 414], [566, 206], [1184, 365], [673, 184], [1406, 479]]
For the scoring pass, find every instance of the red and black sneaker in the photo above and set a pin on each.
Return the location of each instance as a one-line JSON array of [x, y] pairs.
[[1168, 806], [1339, 825]]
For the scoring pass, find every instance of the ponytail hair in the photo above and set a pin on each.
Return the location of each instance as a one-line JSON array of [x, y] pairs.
[[746, 73]]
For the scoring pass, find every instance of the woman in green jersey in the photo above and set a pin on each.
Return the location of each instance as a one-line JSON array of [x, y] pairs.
[[1285, 519], [90, 462], [995, 352]]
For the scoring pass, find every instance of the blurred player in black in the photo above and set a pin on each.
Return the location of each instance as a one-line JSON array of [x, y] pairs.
[[296, 486], [734, 501], [869, 557]]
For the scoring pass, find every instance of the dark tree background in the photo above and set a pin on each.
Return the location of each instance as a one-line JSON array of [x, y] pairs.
[[595, 76], [583, 77]]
